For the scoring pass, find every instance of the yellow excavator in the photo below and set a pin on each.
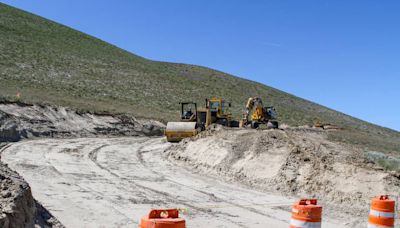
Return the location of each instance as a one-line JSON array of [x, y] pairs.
[[193, 119], [256, 114]]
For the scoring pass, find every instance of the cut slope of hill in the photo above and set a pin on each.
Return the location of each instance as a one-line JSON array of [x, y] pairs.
[[46, 62]]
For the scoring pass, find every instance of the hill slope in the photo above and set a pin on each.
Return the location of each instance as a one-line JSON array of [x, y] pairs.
[[49, 63]]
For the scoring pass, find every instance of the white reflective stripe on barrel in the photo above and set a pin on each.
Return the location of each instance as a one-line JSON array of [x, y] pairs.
[[303, 224], [375, 226], [381, 214]]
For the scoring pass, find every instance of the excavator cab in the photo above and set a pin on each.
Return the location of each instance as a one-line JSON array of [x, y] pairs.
[[271, 113]]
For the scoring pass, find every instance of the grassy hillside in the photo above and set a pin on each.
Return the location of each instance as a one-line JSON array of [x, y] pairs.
[[49, 63]]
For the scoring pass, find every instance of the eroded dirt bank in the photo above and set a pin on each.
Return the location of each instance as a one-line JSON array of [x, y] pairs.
[[21, 121], [17, 205], [294, 161]]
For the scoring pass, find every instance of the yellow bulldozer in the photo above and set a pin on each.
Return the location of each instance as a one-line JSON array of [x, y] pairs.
[[256, 114], [194, 120], [219, 112]]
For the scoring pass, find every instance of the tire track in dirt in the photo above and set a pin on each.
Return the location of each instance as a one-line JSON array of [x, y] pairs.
[[95, 192], [170, 197], [210, 195], [114, 181]]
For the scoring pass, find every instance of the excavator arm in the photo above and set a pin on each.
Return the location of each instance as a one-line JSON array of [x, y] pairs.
[[259, 114], [252, 103]]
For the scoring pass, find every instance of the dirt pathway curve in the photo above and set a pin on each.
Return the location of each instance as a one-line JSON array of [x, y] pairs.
[[98, 182]]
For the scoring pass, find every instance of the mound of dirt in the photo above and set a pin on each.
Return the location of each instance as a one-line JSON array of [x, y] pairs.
[[19, 121], [294, 161]]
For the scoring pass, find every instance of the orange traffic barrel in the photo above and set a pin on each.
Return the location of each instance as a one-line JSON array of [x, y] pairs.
[[306, 214], [162, 218], [381, 214]]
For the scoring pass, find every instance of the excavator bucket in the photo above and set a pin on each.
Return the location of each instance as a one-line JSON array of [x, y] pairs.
[[176, 131]]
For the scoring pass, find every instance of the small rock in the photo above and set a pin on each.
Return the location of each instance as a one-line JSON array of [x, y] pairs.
[[6, 194]]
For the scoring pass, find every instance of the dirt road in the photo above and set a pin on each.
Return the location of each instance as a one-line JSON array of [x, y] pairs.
[[112, 182]]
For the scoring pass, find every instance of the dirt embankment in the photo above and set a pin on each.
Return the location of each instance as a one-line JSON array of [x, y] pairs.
[[17, 206], [20, 121], [294, 161]]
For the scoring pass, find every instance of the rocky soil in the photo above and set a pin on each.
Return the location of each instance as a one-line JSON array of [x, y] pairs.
[[292, 161], [21, 121]]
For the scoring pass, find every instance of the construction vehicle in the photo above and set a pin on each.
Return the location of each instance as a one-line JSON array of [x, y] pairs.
[[192, 121], [219, 114], [256, 114]]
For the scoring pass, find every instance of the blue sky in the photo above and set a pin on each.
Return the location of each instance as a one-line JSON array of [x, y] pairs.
[[338, 53]]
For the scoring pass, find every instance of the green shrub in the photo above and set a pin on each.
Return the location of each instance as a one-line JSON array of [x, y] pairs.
[[385, 161]]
